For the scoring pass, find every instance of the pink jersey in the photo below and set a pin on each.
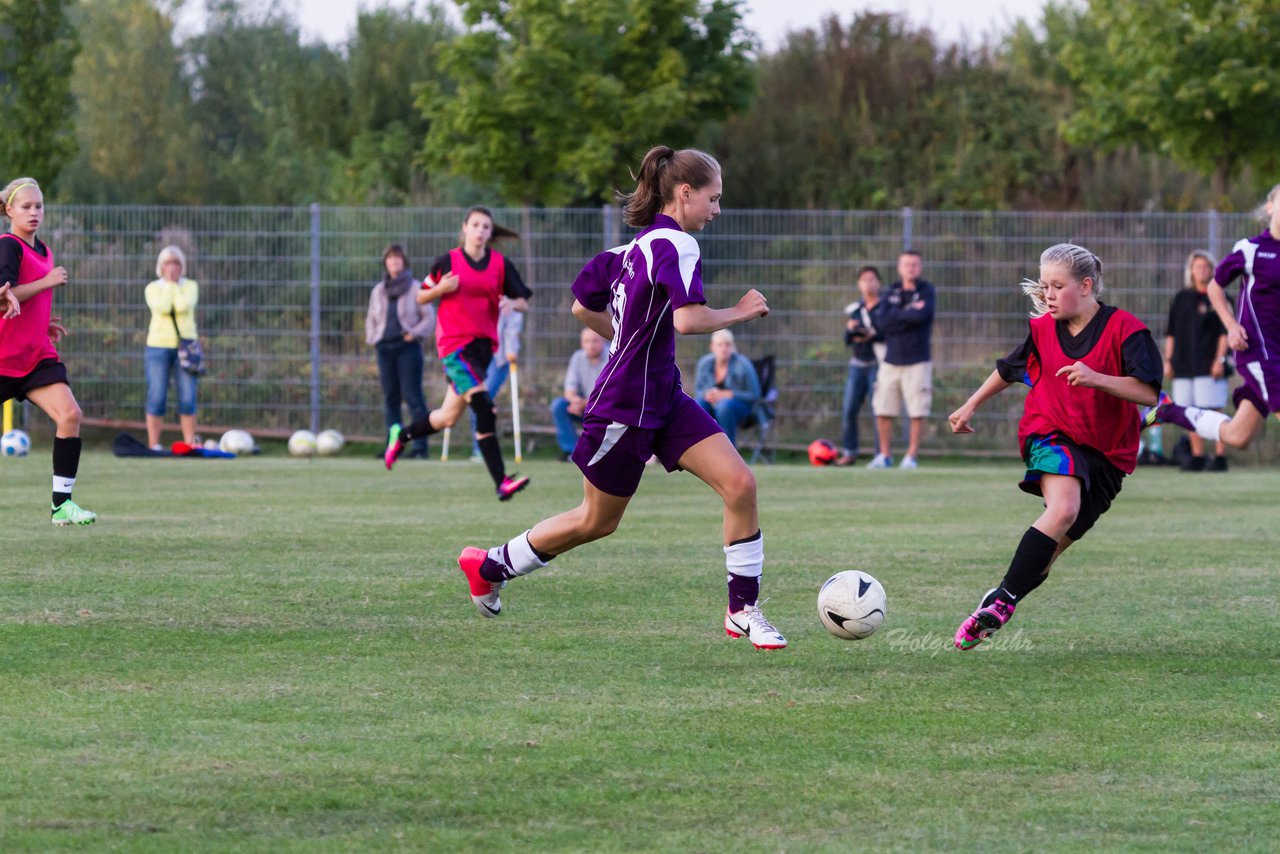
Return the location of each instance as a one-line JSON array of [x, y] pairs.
[[24, 340]]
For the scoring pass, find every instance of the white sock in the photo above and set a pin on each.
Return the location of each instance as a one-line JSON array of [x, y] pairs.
[[517, 555], [63, 484], [1208, 422], [745, 559]]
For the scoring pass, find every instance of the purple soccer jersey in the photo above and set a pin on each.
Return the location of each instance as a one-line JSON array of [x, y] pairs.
[[641, 285], [1257, 259]]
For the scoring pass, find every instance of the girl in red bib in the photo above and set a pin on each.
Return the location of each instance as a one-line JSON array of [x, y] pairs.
[[467, 283], [29, 365], [1090, 366]]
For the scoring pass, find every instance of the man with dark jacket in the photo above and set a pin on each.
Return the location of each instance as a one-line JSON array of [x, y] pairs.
[[906, 374]]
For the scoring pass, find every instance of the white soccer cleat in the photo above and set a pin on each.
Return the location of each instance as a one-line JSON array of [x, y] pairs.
[[880, 461], [755, 626], [908, 463]]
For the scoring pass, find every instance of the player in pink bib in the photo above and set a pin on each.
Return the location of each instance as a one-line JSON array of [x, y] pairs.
[[30, 368]]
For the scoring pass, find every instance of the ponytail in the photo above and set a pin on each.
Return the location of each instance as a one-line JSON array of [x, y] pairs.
[[500, 232], [661, 171]]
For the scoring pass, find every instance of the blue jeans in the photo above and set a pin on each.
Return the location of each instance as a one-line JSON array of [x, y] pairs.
[[494, 379], [400, 370], [566, 431], [856, 388], [728, 414], [160, 364]]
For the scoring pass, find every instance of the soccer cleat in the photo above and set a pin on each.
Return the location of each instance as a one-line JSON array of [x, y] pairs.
[[983, 623], [908, 463], [1151, 414], [70, 513], [752, 623], [510, 486], [484, 593], [880, 461], [395, 446]]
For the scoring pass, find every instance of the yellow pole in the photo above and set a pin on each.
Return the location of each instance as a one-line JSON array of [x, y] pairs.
[[8, 416]]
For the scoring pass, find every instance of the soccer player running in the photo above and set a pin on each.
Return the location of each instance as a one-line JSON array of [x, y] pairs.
[[29, 365], [638, 296], [468, 282], [1090, 366], [1254, 334]]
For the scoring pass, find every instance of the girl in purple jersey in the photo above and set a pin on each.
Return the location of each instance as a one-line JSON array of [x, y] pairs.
[[1253, 331], [638, 296]]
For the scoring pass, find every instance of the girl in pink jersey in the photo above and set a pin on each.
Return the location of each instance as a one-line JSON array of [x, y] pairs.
[[1089, 366], [638, 296], [468, 283], [29, 365], [1253, 331]]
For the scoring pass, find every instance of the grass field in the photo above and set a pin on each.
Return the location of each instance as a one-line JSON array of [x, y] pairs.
[[280, 655]]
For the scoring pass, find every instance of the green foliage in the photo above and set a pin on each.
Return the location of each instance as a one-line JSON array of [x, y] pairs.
[[38, 46], [1198, 81], [553, 101]]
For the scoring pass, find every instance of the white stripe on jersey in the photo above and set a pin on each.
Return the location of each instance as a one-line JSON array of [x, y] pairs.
[[1249, 249], [612, 434]]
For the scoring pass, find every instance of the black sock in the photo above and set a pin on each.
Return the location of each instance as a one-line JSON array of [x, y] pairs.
[[419, 429], [492, 453], [66, 463], [1030, 564]]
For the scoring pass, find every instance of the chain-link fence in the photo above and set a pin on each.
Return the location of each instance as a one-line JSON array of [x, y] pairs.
[[283, 295]]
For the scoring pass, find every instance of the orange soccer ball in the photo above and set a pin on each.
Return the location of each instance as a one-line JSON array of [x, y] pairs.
[[822, 452]]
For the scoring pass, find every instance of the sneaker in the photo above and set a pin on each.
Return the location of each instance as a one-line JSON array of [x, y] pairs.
[[1218, 464], [71, 513], [484, 593], [983, 623], [1193, 463], [1151, 414], [908, 463], [880, 461], [510, 486], [752, 623], [395, 446]]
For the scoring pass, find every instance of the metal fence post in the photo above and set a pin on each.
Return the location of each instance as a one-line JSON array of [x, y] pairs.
[[315, 317], [907, 224], [609, 225], [1214, 234]]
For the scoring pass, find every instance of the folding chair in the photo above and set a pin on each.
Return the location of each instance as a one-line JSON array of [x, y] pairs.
[[764, 414]]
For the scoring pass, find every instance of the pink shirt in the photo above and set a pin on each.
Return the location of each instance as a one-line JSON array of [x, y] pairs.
[[24, 340]]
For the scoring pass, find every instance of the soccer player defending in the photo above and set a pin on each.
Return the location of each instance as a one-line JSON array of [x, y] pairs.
[[1254, 334], [29, 365], [1089, 366], [468, 282], [638, 296]]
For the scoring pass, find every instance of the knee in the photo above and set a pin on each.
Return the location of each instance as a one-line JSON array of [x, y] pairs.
[[69, 417], [560, 406], [1063, 515], [740, 487], [595, 525]]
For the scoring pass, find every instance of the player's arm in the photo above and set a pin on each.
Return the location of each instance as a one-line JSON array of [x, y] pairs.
[[993, 385], [9, 302], [696, 318], [598, 321], [1131, 389], [1237, 338], [55, 278]]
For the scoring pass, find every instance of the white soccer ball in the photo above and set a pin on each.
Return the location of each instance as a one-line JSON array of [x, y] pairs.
[[237, 442], [330, 443], [303, 444], [15, 443], [851, 605]]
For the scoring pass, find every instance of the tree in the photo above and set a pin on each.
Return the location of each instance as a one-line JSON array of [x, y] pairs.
[[1198, 81], [553, 101], [38, 45]]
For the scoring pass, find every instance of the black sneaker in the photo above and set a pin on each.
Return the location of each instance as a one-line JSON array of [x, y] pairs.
[[1218, 464], [1193, 464]]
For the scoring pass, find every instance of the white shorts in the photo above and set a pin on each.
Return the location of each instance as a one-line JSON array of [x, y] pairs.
[[897, 383], [1204, 392]]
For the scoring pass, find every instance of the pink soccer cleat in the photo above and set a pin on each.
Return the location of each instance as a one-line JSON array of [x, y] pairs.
[[395, 446], [510, 486], [983, 623], [484, 593]]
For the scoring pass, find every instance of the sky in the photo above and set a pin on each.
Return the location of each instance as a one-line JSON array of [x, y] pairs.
[[333, 20]]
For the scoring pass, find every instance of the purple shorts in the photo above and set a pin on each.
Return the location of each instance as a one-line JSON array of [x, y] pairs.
[[612, 455], [1261, 385]]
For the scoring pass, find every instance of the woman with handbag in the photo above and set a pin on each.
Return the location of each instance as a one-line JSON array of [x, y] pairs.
[[172, 336]]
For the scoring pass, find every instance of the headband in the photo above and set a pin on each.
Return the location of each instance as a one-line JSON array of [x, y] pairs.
[[15, 192]]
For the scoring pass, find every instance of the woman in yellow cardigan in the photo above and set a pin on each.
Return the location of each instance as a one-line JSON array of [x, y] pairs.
[[172, 299]]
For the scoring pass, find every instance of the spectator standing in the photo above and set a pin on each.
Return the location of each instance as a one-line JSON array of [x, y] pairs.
[[396, 326], [584, 369], [1195, 355], [906, 374], [172, 298], [726, 384], [862, 334]]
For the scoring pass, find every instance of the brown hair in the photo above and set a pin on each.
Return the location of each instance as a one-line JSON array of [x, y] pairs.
[[500, 232], [662, 170], [395, 249]]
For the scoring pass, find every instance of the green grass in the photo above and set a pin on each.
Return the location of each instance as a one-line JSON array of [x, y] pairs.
[[279, 655]]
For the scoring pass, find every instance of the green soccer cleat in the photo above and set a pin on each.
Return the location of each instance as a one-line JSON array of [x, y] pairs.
[[71, 513]]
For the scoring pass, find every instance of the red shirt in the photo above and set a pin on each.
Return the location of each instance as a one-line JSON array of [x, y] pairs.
[[471, 311], [24, 340], [1087, 416]]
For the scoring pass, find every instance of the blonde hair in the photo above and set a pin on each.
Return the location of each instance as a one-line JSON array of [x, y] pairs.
[[171, 253], [723, 335], [1191, 259], [1261, 211], [1080, 262], [11, 189]]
